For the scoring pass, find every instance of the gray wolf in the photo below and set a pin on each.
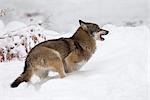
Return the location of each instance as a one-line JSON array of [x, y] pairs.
[[63, 55]]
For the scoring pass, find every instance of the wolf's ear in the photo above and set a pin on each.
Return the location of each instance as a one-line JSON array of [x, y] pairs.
[[83, 24]]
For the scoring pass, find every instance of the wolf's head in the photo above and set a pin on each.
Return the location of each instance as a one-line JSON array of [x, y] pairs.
[[93, 29]]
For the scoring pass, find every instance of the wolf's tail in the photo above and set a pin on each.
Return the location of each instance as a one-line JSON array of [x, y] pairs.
[[17, 82], [24, 77]]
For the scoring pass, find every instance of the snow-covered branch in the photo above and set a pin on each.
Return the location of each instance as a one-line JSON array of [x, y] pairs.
[[15, 44]]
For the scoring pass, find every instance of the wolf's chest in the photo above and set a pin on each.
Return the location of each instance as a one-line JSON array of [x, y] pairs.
[[72, 66], [80, 64]]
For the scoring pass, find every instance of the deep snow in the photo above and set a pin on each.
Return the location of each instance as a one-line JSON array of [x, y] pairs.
[[117, 71]]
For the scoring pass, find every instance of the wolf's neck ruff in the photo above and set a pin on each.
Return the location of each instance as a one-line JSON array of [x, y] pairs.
[[85, 40]]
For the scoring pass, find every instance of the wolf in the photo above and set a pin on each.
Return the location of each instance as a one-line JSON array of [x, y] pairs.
[[63, 55]]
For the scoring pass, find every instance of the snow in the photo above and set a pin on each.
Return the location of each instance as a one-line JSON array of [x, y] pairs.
[[64, 14], [14, 25], [117, 71], [2, 28]]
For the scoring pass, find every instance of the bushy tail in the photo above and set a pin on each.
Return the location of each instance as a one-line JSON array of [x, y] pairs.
[[24, 77], [19, 80]]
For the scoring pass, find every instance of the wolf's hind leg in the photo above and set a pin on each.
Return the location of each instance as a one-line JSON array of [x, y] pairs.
[[42, 74]]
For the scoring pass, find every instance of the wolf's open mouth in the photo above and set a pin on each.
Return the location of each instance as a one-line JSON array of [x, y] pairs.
[[102, 34], [101, 38]]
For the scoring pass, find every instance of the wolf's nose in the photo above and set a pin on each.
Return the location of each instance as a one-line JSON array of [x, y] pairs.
[[107, 32]]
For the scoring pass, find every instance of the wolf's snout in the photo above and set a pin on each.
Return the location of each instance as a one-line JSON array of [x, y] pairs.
[[107, 32], [102, 33]]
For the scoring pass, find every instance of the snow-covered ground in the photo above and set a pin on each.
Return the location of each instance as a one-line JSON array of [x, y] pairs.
[[117, 71], [62, 15]]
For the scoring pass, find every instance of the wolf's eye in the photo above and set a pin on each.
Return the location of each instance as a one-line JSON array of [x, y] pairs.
[[11, 47]]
